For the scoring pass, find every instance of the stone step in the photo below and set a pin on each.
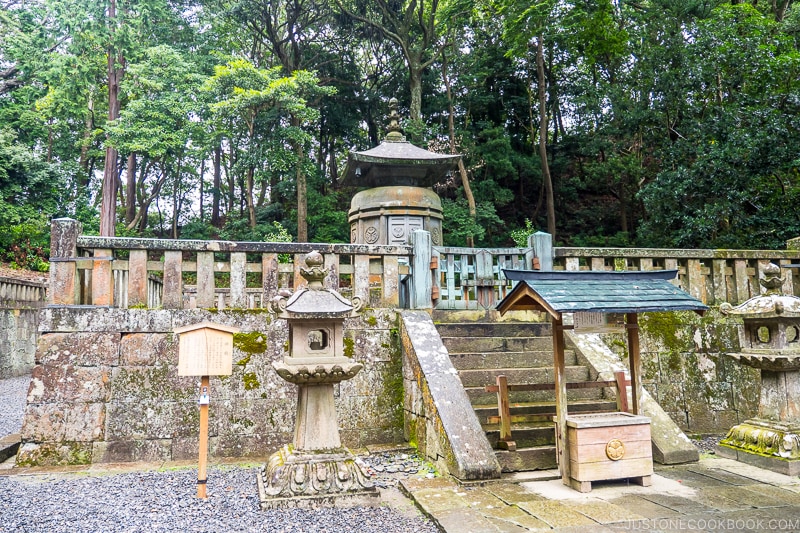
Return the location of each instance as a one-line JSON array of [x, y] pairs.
[[531, 359], [9, 446], [545, 409], [479, 396], [494, 329], [488, 376], [497, 344], [539, 458]]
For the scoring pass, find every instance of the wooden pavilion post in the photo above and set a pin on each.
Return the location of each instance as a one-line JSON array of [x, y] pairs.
[[632, 327], [562, 451]]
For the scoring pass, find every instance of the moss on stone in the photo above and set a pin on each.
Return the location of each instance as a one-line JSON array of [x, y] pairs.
[[392, 397], [349, 346], [251, 343], [250, 381], [371, 320]]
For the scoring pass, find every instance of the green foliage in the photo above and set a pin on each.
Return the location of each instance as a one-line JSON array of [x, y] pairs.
[[520, 235], [458, 225]]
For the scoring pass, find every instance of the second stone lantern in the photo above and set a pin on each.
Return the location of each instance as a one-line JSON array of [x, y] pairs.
[[400, 199], [316, 470]]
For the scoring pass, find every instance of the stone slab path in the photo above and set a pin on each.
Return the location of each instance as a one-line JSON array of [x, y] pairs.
[[713, 495]]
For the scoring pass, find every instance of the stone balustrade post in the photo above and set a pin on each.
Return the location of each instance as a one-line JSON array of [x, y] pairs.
[[542, 244], [64, 234]]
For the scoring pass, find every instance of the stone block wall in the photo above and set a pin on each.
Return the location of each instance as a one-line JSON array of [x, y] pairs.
[[686, 370], [18, 332], [105, 388]]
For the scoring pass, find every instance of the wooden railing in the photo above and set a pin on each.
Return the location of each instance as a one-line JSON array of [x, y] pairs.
[[472, 278], [176, 274], [504, 417], [711, 276]]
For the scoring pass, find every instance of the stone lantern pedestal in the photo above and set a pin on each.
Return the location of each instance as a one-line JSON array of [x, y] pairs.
[[315, 470], [770, 340]]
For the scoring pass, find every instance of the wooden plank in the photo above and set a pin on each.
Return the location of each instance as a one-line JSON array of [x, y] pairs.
[[420, 291], [562, 453], [451, 281], [551, 386], [137, 278], [504, 411], [632, 326], [238, 298], [269, 277], [611, 469], [596, 453], [173, 280], [391, 281], [206, 283], [602, 434], [622, 391]]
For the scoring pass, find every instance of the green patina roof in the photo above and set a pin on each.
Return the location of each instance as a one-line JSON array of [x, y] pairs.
[[559, 292]]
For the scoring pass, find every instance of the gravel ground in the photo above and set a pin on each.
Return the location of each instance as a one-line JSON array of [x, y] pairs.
[[165, 501], [12, 404]]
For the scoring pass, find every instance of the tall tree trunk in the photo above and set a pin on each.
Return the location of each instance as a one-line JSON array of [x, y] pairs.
[[248, 197], [415, 86], [473, 212], [108, 207], [302, 190], [548, 182], [215, 191], [130, 189]]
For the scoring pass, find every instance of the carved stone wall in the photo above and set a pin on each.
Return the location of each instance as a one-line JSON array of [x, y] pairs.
[[105, 388]]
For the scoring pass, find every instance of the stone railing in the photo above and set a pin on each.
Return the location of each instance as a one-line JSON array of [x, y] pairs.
[[178, 274], [21, 294], [712, 276]]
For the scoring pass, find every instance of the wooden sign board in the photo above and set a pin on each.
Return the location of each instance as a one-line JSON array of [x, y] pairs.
[[205, 349]]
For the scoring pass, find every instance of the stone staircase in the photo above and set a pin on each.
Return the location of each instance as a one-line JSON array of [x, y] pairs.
[[523, 352]]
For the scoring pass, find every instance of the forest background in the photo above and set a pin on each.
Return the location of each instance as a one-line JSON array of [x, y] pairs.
[[659, 123]]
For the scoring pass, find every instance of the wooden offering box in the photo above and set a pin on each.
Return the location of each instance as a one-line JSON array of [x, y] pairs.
[[606, 446]]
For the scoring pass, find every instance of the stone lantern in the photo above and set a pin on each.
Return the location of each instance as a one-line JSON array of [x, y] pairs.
[[770, 341], [315, 471], [400, 199]]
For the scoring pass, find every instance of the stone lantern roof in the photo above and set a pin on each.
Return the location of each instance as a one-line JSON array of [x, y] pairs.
[[315, 301], [397, 162], [772, 304]]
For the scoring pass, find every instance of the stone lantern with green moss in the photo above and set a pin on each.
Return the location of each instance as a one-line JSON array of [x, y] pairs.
[[770, 341], [315, 470]]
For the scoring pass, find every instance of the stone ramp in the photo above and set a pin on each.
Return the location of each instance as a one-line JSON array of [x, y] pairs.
[[714, 494]]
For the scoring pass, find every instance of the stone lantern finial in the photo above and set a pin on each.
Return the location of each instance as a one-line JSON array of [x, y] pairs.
[[395, 131], [772, 280], [316, 271]]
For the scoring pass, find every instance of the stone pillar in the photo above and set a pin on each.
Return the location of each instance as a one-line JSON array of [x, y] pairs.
[[542, 244], [64, 234]]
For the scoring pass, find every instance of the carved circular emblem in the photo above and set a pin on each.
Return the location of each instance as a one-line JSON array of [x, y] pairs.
[[371, 235], [436, 236], [398, 231], [615, 449], [353, 233]]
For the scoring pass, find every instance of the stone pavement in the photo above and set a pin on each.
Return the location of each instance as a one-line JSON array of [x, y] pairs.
[[713, 495]]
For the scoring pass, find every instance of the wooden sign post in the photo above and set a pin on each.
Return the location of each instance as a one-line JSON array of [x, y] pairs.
[[204, 350]]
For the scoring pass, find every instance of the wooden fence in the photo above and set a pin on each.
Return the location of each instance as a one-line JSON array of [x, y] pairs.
[[21, 294]]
